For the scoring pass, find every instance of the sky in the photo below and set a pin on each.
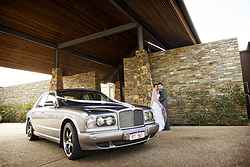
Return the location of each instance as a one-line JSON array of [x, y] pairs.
[[213, 20], [10, 77], [221, 19]]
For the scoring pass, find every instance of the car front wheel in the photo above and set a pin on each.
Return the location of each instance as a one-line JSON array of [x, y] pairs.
[[71, 144], [30, 131]]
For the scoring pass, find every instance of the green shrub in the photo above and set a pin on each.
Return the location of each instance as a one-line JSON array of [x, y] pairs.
[[14, 113], [226, 108]]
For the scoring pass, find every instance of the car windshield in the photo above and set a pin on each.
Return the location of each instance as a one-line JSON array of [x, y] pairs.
[[75, 96]]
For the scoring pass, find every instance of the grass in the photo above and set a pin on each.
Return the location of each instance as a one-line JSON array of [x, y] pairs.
[[14, 113]]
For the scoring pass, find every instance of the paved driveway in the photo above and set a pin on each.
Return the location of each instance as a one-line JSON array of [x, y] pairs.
[[183, 146]]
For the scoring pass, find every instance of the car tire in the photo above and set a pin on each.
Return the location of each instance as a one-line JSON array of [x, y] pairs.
[[30, 131], [71, 144]]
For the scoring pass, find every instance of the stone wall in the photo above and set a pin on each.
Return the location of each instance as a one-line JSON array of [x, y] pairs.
[[117, 90], [83, 80], [204, 67], [207, 67], [137, 78], [28, 93], [1, 95], [22, 94], [56, 82]]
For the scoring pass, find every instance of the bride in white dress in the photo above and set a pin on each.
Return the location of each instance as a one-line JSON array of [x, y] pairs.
[[157, 108]]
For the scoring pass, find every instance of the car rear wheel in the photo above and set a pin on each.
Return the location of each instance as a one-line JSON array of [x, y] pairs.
[[30, 131], [71, 144]]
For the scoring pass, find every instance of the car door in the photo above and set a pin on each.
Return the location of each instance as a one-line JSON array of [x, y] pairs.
[[38, 114], [52, 116]]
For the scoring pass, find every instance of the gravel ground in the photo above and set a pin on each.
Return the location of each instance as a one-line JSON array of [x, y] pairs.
[[182, 147]]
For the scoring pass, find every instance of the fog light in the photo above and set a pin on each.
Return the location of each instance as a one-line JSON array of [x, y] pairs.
[[148, 116], [91, 122], [109, 121]]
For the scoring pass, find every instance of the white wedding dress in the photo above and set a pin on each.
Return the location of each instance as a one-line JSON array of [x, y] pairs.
[[157, 110]]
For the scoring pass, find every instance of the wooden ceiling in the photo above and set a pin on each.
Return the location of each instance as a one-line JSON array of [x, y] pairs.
[[167, 20], [20, 54], [58, 21]]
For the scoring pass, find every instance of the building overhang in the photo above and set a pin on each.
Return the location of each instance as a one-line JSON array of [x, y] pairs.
[[94, 32]]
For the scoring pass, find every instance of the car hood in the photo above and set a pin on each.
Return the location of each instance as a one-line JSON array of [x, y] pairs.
[[106, 105], [101, 106], [142, 107]]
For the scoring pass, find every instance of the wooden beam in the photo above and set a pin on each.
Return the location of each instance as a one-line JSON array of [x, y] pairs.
[[27, 37], [124, 8], [181, 5], [101, 34], [88, 57], [183, 21], [140, 38], [56, 60]]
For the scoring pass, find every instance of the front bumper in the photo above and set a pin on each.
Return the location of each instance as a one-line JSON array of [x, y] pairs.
[[114, 138]]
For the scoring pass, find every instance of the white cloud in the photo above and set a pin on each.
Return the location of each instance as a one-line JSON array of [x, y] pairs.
[[10, 77], [221, 19]]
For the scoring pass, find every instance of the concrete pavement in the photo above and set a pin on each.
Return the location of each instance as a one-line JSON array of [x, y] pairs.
[[182, 147]]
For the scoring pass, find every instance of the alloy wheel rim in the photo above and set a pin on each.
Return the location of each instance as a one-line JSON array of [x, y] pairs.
[[29, 129], [67, 142]]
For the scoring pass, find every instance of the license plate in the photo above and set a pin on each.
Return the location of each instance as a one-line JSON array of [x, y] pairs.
[[137, 135]]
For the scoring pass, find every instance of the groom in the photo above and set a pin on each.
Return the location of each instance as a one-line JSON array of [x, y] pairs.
[[163, 101]]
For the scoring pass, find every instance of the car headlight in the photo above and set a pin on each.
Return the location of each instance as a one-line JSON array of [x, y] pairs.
[[148, 116], [105, 121], [100, 121]]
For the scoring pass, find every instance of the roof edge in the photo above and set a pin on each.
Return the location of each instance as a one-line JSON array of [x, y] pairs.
[[187, 17]]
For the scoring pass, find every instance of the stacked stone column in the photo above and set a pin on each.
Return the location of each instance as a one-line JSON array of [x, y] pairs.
[[56, 82], [138, 80], [117, 90], [82, 80]]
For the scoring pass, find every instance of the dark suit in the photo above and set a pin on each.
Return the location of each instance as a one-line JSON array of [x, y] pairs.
[[164, 101], [163, 98]]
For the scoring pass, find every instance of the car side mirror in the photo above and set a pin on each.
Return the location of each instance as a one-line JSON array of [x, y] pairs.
[[49, 103]]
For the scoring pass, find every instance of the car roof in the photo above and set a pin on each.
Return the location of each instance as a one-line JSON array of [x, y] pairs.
[[77, 89], [70, 90]]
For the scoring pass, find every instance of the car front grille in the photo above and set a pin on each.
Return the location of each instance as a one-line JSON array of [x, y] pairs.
[[131, 118]]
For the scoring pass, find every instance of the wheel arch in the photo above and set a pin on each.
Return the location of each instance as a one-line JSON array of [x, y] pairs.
[[66, 120]]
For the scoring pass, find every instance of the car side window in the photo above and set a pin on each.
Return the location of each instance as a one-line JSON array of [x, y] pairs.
[[85, 97], [51, 98], [42, 101]]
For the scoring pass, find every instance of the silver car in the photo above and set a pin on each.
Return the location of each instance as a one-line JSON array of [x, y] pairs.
[[81, 119]]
